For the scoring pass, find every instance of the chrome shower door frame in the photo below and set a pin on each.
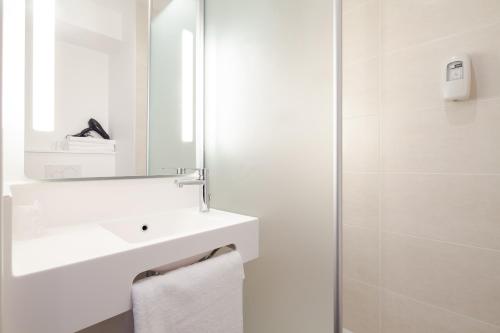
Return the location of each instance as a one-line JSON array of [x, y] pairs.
[[337, 154]]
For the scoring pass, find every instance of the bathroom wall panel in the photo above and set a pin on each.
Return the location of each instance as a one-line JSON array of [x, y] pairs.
[[361, 255], [462, 209], [403, 314], [436, 196], [360, 32], [361, 165], [408, 23], [360, 199], [361, 306], [459, 278], [407, 88], [361, 144], [360, 91], [459, 140]]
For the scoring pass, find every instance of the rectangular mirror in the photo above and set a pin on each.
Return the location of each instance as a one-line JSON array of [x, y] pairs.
[[114, 88]]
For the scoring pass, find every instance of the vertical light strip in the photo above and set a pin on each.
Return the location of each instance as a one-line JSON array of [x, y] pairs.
[[43, 65], [13, 57], [13, 89], [187, 85]]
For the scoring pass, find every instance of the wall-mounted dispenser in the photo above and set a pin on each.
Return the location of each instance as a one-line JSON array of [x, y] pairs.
[[457, 78]]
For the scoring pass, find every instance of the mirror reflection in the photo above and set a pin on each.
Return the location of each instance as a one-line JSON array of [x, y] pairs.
[[111, 88]]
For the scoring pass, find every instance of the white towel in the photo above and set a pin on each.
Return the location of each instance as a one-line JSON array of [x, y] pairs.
[[205, 297], [88, 139], [88, 145]]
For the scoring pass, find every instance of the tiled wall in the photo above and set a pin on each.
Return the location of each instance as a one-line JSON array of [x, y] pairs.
[[422, 176]]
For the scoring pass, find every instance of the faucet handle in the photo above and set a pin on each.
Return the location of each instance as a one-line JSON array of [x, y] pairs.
[[202, 181], [184, 171], [203, 173]]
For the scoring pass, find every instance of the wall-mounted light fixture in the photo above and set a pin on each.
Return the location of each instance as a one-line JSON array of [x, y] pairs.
[[13, 58], [43, 69], [187, 85]]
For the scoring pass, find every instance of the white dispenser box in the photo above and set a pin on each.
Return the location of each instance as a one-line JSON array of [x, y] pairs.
[[457, 78]]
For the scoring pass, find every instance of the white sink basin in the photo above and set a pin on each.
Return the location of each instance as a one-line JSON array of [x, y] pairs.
[[85, 272], [153, 228]]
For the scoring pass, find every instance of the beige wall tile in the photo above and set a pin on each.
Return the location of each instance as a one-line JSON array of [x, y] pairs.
[[403, 315], [360, 199], [361, 254], [434, 140], [348, 5], [361, 88], [411, 79], [420, 133], [361, 32], [361, 144], [462, 279], [454, 208], [409, 22], [361, 307]]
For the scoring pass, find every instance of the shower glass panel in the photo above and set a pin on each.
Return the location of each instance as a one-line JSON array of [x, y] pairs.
[[421, 175], [172, 112]]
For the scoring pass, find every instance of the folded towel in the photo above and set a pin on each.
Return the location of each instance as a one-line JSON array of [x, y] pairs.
[[88, 139], [70, 145], [202, 298], [90, 150], [89, 145]]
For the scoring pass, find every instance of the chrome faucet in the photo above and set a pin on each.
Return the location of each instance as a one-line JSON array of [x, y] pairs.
[[202, 181]]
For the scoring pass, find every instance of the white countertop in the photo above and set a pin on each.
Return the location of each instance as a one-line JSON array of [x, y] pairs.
[[76, 276], [72, 244]]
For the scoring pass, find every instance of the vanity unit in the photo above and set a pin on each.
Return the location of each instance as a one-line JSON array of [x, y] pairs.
[[73, 276], [72, 248]]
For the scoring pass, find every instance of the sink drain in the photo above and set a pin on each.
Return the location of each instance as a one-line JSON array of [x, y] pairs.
[[144, 227]]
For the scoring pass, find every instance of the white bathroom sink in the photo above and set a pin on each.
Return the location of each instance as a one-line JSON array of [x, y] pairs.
[[85, 272], [153, 228]]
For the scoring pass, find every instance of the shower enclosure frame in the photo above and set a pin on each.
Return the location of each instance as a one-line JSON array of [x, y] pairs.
[[337, 154]]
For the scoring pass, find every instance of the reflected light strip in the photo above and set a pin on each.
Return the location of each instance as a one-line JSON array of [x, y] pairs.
[[13, 58], [43, 65], [187, 85], [13, 88]]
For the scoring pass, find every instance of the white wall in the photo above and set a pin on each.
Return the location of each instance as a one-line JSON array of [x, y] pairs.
[[269, 136], [122, 93], [81, 93]]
